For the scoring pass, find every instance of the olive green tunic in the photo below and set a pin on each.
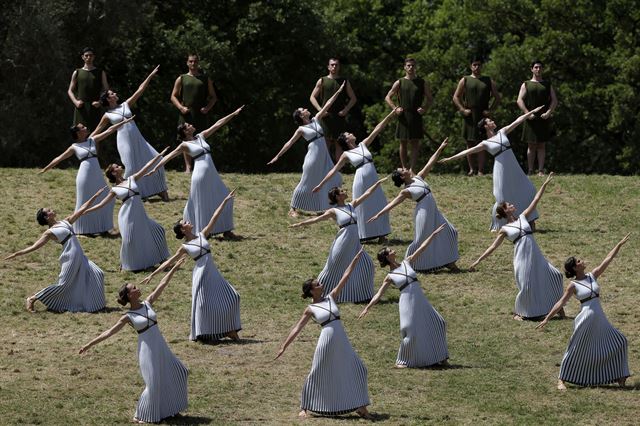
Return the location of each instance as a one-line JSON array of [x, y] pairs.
[[88, 88], [332, 123], [477, 93], [194, 94], [538, 129], [410, 98]]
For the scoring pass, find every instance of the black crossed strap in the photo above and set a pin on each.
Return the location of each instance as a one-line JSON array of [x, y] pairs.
[[422, 186], [150, 321], [365, 159], [408, 278], [68, 228], [520, 228], [130, 192], [315, 126], [205, 151], [352, 218], [592, 294], [331, 319], [203, 251], [503, 145], [90, 153]]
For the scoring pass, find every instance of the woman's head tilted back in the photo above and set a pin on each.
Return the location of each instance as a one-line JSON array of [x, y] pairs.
[[306, 288], [570, 267], [382, 256], [123, 295], [41, 217]]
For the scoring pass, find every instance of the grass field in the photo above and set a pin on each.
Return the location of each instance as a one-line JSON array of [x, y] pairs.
[[502, 371]]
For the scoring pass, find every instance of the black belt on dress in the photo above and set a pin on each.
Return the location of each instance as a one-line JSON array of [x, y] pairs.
[[146, 328], [67, 238], [504, 150], [589, 298], [320, 135], [206, 252], [407, 284], [88, 157], [348, 224], [329, 320], [422, 196], [130, 195], [205, 152], [520, 236], [366, 161]]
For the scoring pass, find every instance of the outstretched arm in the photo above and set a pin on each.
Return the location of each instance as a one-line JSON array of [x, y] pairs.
[[379, 128], [508, 129], [607, 260], [403, 195], [105, 335], [164, 282], [345, 277], [425, 243], [75, 215], [432, 161], [66, 154], [143, 86], [97, 137], [216, 214], [106, 200], [361, 199], [538, 196], [324, 216], [167, 263], [179, 149], [296, 135], [330, 102], [568, 292], [338, 166], [46, 236], [306, 316], [377, 297], [220, 123], [499, 239], [462, 154], [140, 173]]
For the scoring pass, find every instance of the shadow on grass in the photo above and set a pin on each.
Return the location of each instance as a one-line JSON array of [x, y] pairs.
[[225, 342], [349, 417], [187, 420], [395, 241], [107, 310]]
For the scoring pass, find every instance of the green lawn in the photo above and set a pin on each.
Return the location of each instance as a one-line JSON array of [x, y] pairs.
[[502, 371]]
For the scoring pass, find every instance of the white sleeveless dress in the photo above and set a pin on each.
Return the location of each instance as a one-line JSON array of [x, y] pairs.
[[165, 377], [135, 152], [207, 190], [365, 177], [344, 248], [337, 382], [80, 286], [426, 218], [143, 240]]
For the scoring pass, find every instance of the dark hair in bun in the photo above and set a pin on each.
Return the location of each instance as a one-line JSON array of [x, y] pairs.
[[41, 217], [382, 256], [333, 195], [570, 267], [123, 295], [396, 177], [177, 228], [501, 210], [306, 288]]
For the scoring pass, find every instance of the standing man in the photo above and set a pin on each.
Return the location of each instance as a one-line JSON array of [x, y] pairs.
[[84, 91], [472, 100], [414, 97], [334, 122], [537, 131], [194, 96]]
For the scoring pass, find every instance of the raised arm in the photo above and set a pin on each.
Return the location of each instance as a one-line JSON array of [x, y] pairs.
[[508, 129], [44, 238], [143, 86], [140, 173], [324, 216], [220, 123], [357, 201], [177, 151], [425, 243], [434, 158], [463, 154], [393, 92], [164, 282], [336, 168], [216, 214], [568, 292], [313, 98], [75, 215], [607, 260], [296, 135], [352, 100], [124, 320], [60, 158], [325, 108], [97, 137], [167, 263], [106, 200], [499, 239], [403, 195], [385, 284], [379, 128], [345, 277], [538, 196], [306, 316]]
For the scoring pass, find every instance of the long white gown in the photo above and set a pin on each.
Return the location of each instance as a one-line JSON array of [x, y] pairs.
[[165, 377], [337, 382], [135, 152]]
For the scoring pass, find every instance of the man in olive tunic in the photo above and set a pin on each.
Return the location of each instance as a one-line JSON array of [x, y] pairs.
[[194, 96], [414, 97], [335, 122], [84, 91], [538, 130], [472, 100]]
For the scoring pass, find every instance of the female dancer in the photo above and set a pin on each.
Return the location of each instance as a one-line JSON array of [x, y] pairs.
[[426, 218], [215, 304], [539, 282], [80, 286], [597, 352], [165, 377], [345, 246], [509, 181], [337, 382], [422, 328], [143, 242], [365, 176], [133, 148], [207, 189], [89, 178], [317, 162]]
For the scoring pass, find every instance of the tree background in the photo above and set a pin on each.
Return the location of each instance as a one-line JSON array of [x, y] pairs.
[[268, 55]]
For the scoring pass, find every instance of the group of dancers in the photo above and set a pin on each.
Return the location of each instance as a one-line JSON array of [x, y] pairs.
[[337, 383]]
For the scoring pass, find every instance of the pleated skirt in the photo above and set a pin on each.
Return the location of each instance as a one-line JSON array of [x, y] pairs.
[[337, 382], [317, 163], [539, 283], [215, 304], [88, 181], [344, 248], [444, 247], [143, 241], [597, 352], [80, 286], [135, 152], [422, 330], [165, 378], [364, 178]]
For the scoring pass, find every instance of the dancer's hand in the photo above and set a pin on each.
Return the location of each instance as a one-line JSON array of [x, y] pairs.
[[364, 312], [316, 189], [541, 325]]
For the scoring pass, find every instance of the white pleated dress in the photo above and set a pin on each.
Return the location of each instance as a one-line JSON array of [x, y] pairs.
[[426, 218], [317, 163], [165, 377], [337, 382], [207, 190], [80, 286], [215, 304], [539, 282], [510, 184], [143, 240], [597, 352], [88, 181], [365, 177], [135, 152], [422, 328], [344, 248]]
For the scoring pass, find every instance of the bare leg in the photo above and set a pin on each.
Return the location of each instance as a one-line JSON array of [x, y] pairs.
[[471, 158], [541, 151], [415, 151], [30, 301], [303, 414], [333, 148], [187, 162], [531, 156], [403, 153]]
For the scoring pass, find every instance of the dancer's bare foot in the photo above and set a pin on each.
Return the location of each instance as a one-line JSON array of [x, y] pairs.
[[233, 335], [480, 173], [561, 385], [293, 213], [30, 301], [303, 414], [471, 173], [137, 421], [453, 267], [400, 366], [444, 363], [364, 413], [540, 172], [517, 317], [621, 381]]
